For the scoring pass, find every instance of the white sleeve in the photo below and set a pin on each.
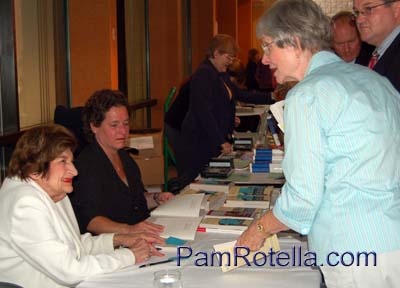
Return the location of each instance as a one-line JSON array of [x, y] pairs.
[[35, 235]]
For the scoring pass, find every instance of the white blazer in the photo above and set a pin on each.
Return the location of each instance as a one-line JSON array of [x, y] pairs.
[[40, 242]]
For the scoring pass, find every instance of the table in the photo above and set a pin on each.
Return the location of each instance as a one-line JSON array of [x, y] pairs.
[[194, 277]]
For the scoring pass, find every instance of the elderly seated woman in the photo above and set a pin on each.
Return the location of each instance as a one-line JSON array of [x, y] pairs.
[[40, 242]]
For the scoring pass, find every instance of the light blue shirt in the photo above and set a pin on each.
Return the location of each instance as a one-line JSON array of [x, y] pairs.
[[342, 144]]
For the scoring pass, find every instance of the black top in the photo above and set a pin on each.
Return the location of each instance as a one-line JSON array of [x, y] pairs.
[[98, 190], [175, 115]]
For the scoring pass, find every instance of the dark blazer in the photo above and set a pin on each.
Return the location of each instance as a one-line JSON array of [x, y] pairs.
[[365, 54], [389, 63], [209, 120]]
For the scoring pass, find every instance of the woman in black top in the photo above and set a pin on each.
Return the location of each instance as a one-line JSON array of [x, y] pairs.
[[109, 195], [209, 122]]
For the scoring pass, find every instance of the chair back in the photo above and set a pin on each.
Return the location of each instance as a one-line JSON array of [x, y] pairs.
[[71, 118]]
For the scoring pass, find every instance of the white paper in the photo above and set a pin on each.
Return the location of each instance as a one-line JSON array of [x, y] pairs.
[[179, 227], [277, 111], [181, 206]]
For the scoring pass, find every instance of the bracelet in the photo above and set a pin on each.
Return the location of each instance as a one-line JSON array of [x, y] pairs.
[[156, 198], [261, 229]]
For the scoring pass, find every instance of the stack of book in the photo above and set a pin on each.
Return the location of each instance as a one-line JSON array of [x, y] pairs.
[[249, 197], [213, 199], [229, 219], [267, 160], [211, 185]]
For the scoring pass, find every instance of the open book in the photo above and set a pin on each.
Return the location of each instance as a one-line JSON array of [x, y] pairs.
[[227, 260], [180, 216]]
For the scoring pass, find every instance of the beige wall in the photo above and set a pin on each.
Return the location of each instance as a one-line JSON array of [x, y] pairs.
[[35, 61], [331, 7]]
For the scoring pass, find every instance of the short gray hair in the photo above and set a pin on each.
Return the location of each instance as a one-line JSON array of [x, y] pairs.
[[287, 19]]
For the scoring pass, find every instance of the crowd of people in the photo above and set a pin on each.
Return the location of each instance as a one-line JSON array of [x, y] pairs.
[[64, 220]]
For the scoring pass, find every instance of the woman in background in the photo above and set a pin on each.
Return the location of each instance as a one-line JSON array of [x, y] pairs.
[[109, 195], [208, 125], [251, 67], [40, 242]]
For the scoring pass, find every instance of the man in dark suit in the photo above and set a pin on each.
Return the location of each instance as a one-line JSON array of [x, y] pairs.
[[379, 25], [346, 39]]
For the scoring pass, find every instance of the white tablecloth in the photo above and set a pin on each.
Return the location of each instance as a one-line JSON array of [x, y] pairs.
[[192, 276]]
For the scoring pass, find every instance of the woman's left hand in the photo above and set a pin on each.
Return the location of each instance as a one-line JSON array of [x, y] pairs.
[[252, 238]]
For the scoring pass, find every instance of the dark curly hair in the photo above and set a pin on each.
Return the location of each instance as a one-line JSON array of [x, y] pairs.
[[98, 105], [37, 147]]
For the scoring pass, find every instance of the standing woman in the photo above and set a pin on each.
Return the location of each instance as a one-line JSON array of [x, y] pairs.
[[40, 242], [209, 122], [341, 152], [208, 125], [109, 195]]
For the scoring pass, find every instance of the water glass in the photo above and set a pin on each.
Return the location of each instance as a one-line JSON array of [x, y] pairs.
[[167, 279]]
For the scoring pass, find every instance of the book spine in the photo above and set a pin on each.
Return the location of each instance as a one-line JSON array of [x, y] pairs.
[[263, 157], [273, 131], [259, 169], [266, 167], [268, 151]]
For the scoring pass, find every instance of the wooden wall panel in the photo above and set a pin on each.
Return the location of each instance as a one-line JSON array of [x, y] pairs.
[[166, 66], [203, 28], [245, 33], [93, 45], [227, 19]]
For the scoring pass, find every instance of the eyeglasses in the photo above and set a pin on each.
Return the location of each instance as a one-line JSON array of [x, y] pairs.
[[265, 47], [369, 9]]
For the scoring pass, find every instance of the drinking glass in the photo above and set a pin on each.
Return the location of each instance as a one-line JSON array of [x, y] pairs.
[[167, 279]]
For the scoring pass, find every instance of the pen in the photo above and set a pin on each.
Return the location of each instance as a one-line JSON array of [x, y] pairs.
[[156, 263]]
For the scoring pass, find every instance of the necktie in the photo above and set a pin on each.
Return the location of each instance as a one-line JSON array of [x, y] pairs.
[[373, 60]]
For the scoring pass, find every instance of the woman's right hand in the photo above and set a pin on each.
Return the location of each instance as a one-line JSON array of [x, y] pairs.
[[141, 249], [226, 148]]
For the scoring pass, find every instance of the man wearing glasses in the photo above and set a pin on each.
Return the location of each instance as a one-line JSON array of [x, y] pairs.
[[379, 24]]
